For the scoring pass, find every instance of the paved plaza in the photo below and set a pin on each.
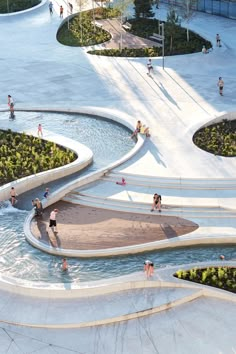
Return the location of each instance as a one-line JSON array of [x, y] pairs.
[[129, 314]]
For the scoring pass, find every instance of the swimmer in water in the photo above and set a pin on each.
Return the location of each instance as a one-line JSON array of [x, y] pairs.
[[64, 265]]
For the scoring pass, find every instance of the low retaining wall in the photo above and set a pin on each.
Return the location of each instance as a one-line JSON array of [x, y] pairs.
[[85, 157]]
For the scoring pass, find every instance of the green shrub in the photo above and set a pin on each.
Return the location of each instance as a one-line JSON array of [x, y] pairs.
[[218, 139], [220, 277], [33, 155]]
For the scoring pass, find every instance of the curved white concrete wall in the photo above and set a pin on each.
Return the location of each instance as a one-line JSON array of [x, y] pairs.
[[24, 12], [219, 119], [105, 286], [85, 157], [91, 177]]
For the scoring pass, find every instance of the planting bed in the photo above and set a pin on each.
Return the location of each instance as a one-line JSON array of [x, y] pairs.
[[218, 138], [218, 277], [22, 155]]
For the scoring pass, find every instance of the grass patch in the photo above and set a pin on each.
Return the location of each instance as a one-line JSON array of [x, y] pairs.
[[218, 277], [22, 155], [218, 139], [16, 5]]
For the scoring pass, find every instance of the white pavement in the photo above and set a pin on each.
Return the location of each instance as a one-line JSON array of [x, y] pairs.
[[39, 72]]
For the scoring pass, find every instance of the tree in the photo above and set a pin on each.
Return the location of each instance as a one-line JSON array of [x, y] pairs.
[[172, 21], [143, 8], [187, 12]]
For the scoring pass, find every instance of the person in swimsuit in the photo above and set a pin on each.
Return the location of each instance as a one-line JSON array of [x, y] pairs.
[[53, 221], [218, 44], [221, 86], [13, 196], [11, 105], [137, 129], [149, 66], [156, 202], [40, 130], [64, 265], [46, 193], [146, 267]]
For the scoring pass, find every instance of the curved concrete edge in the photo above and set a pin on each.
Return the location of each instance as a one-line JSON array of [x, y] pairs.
[[113, 320], [163, 278], [109, 114], [156, 245], [85, 157], [30, 10]]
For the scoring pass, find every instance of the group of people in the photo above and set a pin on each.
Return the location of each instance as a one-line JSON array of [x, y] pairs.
[[220, 82], [140, 128], [61, 9]]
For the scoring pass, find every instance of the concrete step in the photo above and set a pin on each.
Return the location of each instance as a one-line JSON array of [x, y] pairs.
[[144, 208], [172, 183]]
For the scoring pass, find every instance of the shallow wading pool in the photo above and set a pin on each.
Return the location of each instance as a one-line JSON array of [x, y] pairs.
[[109, 142]]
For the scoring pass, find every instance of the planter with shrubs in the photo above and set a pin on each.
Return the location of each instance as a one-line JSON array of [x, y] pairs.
[[10, 6], [218, 139], [218, 277], [23, 155]]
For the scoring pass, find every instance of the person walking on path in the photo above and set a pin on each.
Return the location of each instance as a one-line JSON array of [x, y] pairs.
[[61, 11], [218, 40], [221, 86], [71, 7], [53, 221], [40, 130], [11, 106], [50, 6], [13, 196], [149, 67], [156, 202]]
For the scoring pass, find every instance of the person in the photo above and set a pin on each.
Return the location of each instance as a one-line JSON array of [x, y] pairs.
[[221, 86], [151, 269], [11, 105], [71, 7], [137, 129], [145, 130], [122, 183], [156, 202], [64, 265], [53, 221], [218, 40], [149, 66], [147, 268], [61, 11], [37, 207], [204, 50], [222, 257], [40, 130], [46, 193], [50, 8], [13, 196]]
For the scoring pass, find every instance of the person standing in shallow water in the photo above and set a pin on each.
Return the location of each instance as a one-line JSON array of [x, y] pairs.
[[13, 196]]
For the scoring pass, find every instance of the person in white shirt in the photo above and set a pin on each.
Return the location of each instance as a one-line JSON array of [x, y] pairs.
[[53, 221]]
